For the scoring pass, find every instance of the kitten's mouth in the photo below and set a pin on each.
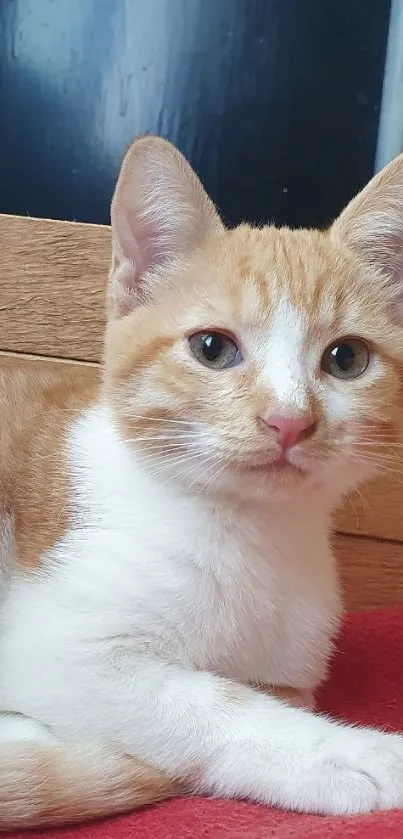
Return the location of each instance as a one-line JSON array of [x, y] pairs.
[[280, 466]]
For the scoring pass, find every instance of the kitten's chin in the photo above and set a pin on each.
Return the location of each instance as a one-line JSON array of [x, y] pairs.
[[277, 469], [272, 479]]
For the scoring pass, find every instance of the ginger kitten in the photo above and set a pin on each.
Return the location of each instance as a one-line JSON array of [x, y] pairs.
[[164, 533]]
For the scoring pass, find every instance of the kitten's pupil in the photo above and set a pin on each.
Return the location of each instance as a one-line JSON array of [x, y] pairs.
[[343, 356], [212, 346]]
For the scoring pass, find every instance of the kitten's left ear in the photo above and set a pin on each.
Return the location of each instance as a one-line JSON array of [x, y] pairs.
[[372, 227], [160, 213]]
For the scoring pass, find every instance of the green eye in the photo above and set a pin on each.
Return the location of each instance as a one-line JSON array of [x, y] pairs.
[[347, 359], [215, 349]]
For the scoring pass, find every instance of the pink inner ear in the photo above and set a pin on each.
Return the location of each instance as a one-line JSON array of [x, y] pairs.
[[136, 249], [145, 234], [149, 245], [159, 211]]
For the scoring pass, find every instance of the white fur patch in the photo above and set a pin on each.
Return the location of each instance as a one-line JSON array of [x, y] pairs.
[[15, 728], [285, 369]]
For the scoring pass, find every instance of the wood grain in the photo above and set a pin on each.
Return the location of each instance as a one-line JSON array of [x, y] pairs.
[[371, 571], [377, 511], [52, 281], [83, 372], [21, 360]]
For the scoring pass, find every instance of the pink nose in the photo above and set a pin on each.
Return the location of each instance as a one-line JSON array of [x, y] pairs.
[[290, 429]]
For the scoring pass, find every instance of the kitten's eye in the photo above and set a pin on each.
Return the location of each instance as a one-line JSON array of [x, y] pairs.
[[346, 359], [215, 349]]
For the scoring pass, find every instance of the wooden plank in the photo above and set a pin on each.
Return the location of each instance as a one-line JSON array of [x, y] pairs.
[[21, 360], [371, 571], [377, 511], [32, 364], [52, 287]]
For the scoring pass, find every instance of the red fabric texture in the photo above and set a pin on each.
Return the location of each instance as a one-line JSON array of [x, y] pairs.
[[366, 686]]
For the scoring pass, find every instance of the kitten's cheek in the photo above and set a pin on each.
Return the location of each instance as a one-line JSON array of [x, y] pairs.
[[338, 407]]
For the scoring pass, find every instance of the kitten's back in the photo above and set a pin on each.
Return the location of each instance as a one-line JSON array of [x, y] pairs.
[[35, 413]]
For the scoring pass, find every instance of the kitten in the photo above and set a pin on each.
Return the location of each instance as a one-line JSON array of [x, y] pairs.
[[164, 539]]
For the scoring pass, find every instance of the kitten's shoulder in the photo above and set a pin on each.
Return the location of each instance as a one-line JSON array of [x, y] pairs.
[[36, 411]]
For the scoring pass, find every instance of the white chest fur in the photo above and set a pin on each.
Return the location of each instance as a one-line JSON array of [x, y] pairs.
[[246, 592]]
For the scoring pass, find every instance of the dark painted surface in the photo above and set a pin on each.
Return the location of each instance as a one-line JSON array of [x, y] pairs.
[[274, 101]]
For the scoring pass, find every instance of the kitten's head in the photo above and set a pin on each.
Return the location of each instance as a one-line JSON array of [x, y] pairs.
[[253, 360]]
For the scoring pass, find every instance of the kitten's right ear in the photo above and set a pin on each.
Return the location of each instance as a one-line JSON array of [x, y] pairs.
[[160, 213], [371, 226]]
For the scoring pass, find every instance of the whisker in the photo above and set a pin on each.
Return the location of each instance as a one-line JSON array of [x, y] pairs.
[[376, 457], [351, 502], [372, 451], [161, 419], [364, 500], [378, 444], [161, 440], [213, 478], [169, 457], [174, 461], [210, 461], [380, 467], [188, 472]]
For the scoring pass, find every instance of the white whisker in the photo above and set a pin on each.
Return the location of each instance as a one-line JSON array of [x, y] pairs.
[[161, 419], [213, 477]]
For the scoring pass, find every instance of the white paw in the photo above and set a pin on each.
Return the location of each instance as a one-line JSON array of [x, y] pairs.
[[356, 771]]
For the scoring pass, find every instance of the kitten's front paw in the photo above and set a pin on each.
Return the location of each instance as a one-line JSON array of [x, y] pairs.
[[359, 771]]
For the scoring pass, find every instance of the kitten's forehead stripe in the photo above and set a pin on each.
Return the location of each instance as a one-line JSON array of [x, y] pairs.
[[283, 366]]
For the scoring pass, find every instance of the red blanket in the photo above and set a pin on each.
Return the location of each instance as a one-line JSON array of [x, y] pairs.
[[366, 686]]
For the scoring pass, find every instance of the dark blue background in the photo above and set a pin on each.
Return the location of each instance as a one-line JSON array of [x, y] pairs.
[[275, 102]]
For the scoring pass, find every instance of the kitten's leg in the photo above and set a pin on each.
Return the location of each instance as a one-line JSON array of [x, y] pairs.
[[44, 781], [228, 740], [294, 696]]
